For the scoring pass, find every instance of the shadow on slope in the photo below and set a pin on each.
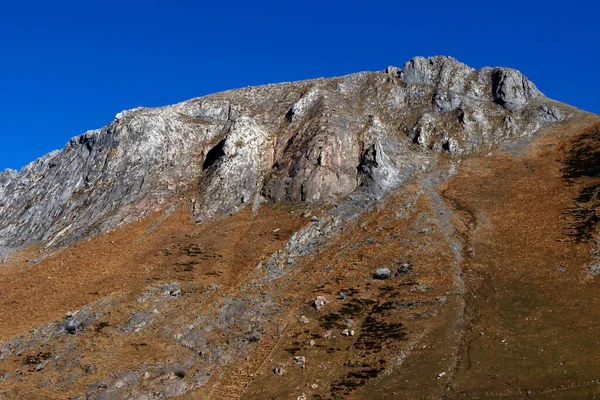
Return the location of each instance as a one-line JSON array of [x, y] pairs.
[[582, 165]]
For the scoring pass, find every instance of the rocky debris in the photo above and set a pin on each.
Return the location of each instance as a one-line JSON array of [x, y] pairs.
[[387, 273], [279, 371], [303, 320], [349, 323], [341, 295], [319, 303], [594, 269], [167, 290], [74, 323], [382, 273], [163, 382], [172, 290], [404, 268], [348, 332], [300, 360], [138, 321], [312, 238]]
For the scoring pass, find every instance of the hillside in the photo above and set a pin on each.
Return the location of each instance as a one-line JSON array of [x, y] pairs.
[[422, 232]]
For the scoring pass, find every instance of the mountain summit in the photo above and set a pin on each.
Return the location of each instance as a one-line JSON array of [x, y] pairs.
[[311, 141], [393, 234]]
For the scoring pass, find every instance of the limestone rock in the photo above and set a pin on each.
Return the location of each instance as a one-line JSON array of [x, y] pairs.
[[311, 141], [319, 303], [383, 273], [512, 89]]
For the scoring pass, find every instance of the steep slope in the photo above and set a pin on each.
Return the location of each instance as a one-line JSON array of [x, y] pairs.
[[214, 226], [313, 141]]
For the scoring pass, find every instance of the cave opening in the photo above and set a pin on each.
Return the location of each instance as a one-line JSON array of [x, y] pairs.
[[214, 155]]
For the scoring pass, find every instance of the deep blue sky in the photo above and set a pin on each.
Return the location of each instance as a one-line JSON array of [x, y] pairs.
[[70, 66]]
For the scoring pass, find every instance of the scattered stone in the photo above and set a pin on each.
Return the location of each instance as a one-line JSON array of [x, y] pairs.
[[138, 322], [441, 375], [312, 343], [594, 269], [382, 273], [349, 323], [303, 320], [320, 303], [421, 289], [279, 371], [405, 268], [327, 334], [341, 295], [348, 332], [302, 397], [73, 323], [562, 268], [171, 289], [300, 360]]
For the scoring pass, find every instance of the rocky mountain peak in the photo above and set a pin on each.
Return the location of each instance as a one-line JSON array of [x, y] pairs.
[[507, 87], [308, 141]]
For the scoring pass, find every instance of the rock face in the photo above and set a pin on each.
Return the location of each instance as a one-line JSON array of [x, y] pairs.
[[309, 141]]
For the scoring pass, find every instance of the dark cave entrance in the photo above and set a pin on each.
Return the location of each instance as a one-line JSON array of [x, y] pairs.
[[214, 155]]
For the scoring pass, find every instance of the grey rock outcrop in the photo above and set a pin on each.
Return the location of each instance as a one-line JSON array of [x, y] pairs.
[[311, 141], [512, 89]]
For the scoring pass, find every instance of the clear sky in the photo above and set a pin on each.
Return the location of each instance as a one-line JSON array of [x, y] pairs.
[[70, 66]]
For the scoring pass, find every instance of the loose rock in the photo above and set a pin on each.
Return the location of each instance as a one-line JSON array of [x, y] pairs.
[[320, 303], [382, 273], [299, 360]]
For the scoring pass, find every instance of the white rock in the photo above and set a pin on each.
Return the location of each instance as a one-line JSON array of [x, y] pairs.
[[320, 302]]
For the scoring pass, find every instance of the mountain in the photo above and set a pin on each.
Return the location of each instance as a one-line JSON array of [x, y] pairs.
[[422, 232]]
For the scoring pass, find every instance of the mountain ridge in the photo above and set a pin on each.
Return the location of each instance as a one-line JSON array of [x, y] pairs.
[[201, 121]]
